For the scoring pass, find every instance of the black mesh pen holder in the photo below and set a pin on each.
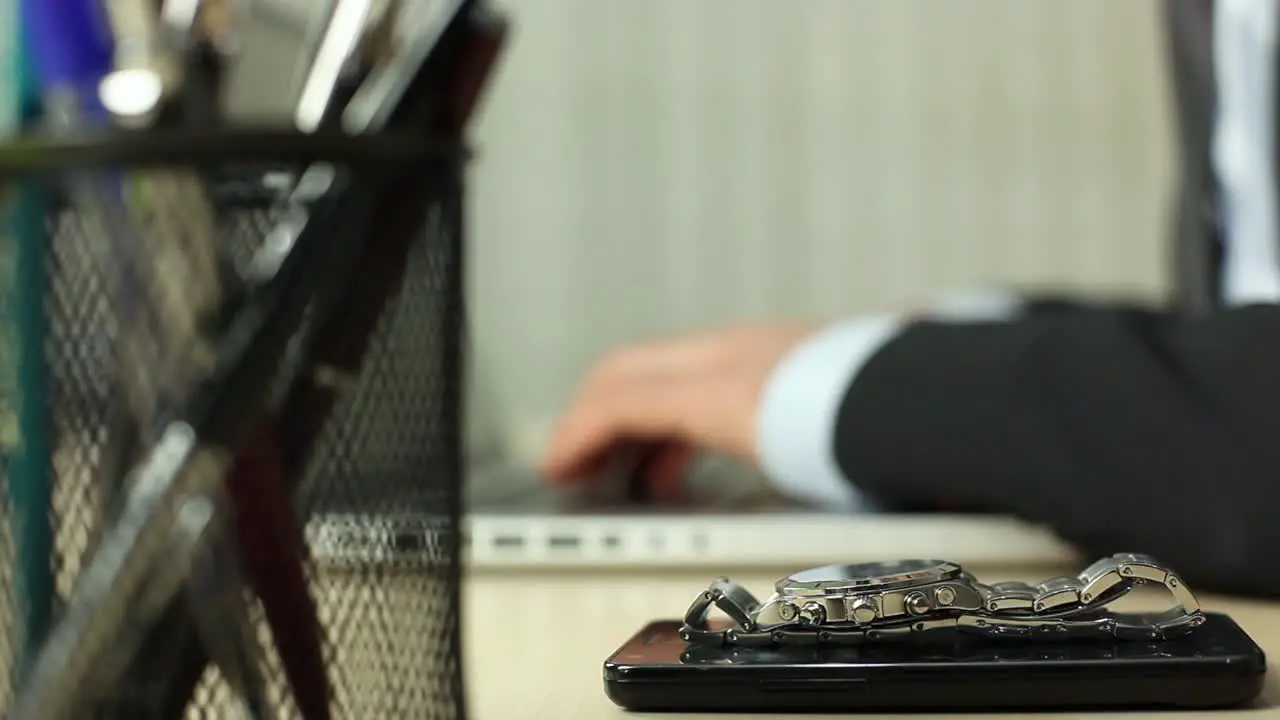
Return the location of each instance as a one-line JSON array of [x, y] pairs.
[[362, 402]]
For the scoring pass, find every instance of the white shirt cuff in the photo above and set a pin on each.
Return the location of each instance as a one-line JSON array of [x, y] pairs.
[[795, 431], [984, 304]]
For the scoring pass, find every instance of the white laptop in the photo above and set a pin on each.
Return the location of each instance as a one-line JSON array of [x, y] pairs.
[[733, 518]]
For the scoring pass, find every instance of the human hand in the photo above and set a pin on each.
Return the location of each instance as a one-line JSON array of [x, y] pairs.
[[674, 398]]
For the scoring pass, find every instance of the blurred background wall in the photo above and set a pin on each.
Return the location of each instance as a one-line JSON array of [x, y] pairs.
[[655, 166]]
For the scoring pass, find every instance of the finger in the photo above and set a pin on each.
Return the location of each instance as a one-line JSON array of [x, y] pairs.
[[604, 418], [620, 401], [583, 470], [653, 472], [696, 391], [651, 363], [666, 472]]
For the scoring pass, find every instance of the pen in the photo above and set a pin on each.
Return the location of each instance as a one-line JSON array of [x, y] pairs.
[[72, 52], [24, 427], [189, 462], [268, 529], [179, 258], [161, 285]]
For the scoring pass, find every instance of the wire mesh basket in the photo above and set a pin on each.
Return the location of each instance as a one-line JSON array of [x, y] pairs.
[[229, 420], [347, 392], [389, 452], [389, 449]]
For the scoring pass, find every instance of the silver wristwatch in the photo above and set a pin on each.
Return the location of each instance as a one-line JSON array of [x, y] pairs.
[[851, 604]]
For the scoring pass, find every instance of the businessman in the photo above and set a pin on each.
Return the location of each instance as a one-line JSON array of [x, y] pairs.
[[1124, 428]]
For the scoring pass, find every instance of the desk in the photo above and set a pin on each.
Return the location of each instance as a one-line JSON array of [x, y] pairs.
[[519, 665]]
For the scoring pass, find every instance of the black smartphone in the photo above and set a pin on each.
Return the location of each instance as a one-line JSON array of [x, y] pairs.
[[1218, 665]]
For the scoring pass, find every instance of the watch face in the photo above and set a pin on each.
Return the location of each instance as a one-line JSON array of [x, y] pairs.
[[870, 575]]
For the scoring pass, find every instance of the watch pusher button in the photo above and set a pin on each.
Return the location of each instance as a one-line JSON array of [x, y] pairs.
[[917, 603], [944, 596], [787, 611], [813, 613], [863, 610]]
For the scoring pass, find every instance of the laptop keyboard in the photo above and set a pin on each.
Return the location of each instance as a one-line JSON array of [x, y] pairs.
[[713, 484]]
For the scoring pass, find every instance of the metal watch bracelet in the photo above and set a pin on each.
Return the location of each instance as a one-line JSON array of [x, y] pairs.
[[1058, 608]]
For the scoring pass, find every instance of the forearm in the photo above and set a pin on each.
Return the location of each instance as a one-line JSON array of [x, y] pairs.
[[1121, 429]]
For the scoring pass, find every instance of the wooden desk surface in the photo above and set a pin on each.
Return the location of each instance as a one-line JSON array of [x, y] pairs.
[[520, 664]]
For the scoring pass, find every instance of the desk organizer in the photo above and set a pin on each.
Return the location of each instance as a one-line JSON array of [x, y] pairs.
[[320, 403]]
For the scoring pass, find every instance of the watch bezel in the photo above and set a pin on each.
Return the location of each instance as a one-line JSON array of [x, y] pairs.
[[935, 571]]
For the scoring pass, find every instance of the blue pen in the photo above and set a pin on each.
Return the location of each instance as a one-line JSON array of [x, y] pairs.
[[70, 45]]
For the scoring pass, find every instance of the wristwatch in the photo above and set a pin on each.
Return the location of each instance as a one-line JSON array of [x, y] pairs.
[[851, 604]]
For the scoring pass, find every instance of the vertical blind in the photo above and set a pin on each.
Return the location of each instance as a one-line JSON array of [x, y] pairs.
[[649, 167]]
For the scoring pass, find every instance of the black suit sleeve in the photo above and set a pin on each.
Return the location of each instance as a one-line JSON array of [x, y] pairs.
[[1122, 429]]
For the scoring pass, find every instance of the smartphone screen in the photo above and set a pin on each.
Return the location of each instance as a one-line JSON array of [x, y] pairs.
[[1218, 665]]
